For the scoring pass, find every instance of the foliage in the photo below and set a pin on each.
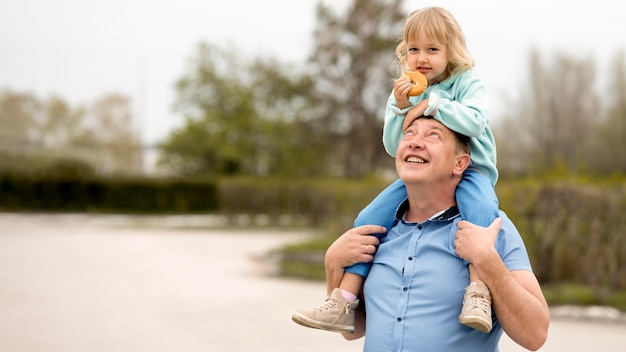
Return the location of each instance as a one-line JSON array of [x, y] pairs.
[[114, 146], [560, 120], [354, 63], [268, 118], [64, 168], [603, 147], [60, 190], [35, 132], [572, 227], [313, 202], [324, 117], [18, 117], [242, 119], [566, 293]]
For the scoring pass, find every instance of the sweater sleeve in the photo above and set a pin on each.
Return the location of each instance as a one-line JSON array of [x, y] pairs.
[[392, 129], [462, 106]]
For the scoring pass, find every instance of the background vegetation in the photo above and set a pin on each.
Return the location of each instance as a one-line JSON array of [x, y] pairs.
[[302, 142]]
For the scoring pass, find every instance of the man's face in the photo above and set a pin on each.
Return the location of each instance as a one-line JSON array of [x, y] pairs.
[[427, 153]]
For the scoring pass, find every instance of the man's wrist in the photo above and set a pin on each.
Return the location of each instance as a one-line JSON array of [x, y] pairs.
[[490, 264]]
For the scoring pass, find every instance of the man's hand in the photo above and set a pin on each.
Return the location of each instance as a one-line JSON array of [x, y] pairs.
[[415, 112], [354, 246], [474, 242]]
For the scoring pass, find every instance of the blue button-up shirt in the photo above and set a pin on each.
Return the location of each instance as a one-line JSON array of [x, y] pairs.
[[414, 291]]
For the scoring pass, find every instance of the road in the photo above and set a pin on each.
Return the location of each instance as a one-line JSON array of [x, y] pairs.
[[75, 283]]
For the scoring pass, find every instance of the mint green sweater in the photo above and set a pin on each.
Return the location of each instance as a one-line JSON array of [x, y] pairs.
[[460, 103]]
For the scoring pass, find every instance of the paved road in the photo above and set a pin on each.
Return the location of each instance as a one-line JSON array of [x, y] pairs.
[[76, 283]]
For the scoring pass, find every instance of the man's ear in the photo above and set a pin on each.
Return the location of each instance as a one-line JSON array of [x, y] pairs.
[[462, 163]]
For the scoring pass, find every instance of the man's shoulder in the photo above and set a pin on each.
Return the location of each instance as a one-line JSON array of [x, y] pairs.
[[511, 246], [505, 218]]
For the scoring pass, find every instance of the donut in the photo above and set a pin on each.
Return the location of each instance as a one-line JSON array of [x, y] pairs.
[[418, 82]]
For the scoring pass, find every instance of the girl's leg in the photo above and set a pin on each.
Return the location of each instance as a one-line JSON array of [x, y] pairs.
[[350, 285], [478, 204], [476, 199], [337, 312], [381, 211]]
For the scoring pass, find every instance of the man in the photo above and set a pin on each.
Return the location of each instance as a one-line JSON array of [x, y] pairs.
[[414, 291]]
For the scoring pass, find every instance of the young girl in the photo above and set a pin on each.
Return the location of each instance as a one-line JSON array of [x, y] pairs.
[[434, 45]]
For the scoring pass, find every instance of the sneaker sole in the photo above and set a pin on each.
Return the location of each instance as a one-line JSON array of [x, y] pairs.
[[475, 322], [310, 323]]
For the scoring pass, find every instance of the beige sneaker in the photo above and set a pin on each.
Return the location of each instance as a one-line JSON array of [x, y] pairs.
[[335, 314], [476, 312]]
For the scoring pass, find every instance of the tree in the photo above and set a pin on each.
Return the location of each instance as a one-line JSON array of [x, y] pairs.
[[61, 124], [109, 137], [353, 62], [604, 151], [559, 108], [242, 118], [44, 133], [269, 118], [19, 113]]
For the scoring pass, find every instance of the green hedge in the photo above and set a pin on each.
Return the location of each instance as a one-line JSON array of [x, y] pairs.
[[307, 202], [117, 195], [574, 229]]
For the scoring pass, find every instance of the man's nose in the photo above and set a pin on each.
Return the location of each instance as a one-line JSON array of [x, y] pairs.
[[416, 142]]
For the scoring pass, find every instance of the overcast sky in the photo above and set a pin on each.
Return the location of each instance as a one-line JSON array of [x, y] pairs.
[[83, 49]]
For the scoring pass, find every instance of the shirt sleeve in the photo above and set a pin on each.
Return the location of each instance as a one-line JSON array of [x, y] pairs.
[[511, 247]]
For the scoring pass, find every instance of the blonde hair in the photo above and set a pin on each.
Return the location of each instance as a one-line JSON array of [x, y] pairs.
[[438, 24]]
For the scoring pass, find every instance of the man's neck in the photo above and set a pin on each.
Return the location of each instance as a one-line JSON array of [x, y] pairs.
[[425, 203]]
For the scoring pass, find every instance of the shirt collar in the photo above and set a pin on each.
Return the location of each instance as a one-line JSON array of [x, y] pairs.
[[444, 215]]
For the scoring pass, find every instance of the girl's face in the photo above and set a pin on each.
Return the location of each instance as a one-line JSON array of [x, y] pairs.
[[428, 56]]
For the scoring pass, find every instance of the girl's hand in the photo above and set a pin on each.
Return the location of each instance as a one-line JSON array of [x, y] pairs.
[[401, 87]]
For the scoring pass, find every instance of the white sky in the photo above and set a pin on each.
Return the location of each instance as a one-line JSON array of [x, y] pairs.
[[83, 49]]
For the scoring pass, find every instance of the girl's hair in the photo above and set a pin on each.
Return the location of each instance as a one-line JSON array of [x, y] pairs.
[[440, 25]]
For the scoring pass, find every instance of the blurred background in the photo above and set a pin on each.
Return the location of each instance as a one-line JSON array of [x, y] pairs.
[[130, 81], [270, 114]]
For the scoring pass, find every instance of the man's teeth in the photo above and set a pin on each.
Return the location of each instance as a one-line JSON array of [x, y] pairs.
[[414, 159]]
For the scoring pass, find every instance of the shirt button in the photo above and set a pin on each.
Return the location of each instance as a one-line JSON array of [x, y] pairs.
[[399, 320], [405, 289], [410, 258], [419, 227]]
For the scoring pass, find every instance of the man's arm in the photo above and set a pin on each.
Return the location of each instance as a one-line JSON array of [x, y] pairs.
[[518, 301], [347, 250], [520, 306]]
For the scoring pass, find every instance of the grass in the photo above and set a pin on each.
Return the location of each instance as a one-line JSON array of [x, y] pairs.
[[305, 261], [583, 295]]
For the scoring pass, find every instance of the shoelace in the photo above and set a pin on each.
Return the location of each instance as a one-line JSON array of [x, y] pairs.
[[478, 301], [330, 304]]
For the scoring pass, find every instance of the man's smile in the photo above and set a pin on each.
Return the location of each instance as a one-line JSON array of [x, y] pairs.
[[414, 159]]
